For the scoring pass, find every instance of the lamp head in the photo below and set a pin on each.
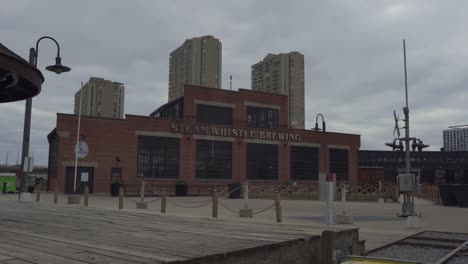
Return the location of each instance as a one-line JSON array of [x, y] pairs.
[[316, 128], [58, 68]]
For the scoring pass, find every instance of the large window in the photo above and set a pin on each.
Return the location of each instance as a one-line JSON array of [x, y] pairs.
[[262, 117], [339, 163], [171, 110], [217, 115], [158, 157], [213, 160], [304, 163], [262, 162]]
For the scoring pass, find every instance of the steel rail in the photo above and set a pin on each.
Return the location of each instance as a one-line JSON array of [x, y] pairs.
[[449, 256]]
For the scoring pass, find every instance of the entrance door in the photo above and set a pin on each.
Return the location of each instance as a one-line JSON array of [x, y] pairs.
[[84, 177]]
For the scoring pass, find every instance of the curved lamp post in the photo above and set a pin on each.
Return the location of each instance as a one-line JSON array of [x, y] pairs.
[[325, 183], [316, 128], [57, 68]]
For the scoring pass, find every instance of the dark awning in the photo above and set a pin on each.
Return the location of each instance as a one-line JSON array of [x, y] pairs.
[[19, 80]]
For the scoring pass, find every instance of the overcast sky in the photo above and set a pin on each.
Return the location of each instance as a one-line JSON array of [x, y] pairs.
[[353, 58]]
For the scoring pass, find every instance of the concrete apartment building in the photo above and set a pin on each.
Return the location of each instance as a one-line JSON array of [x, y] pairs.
[[456, 138], [283, 74], [101, 98], [196, 62]]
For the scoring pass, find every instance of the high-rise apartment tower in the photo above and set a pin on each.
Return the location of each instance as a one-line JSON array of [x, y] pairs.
[[196, 62], [283, 74], [456, 139], [102, 98]]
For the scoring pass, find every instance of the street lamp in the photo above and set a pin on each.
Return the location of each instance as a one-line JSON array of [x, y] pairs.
[[316, 128], [57, 68], [326, 180]]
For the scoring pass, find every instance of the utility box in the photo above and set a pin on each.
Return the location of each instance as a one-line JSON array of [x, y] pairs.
[[406, 182]]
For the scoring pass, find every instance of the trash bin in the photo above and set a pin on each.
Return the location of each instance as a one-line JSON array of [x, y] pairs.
[[234, 190], [447, 194], [181, 189]]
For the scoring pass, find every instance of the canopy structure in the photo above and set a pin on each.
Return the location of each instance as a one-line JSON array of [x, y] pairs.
[[19, 80]]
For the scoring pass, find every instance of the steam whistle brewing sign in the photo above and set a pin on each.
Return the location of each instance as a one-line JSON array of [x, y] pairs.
[[234, 132]]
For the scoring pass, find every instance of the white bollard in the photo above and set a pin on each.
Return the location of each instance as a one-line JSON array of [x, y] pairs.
[[344, 217], [381, 200], [246, 211]]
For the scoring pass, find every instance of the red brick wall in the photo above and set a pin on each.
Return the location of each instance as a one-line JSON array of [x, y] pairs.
[[110, 140]]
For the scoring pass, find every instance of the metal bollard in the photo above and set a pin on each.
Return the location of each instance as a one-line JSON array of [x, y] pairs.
[[86, 195], [215, 204], [279, 213], [163, 201], [121, 194], [38, 193], [56, 194]]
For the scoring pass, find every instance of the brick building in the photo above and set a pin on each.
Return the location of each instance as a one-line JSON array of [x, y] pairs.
[[208, 136]]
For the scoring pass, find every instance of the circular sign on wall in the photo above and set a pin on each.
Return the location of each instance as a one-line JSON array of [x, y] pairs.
[[82, 150]]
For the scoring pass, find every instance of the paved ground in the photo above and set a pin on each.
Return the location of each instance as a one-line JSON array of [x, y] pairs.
[[378, 223]]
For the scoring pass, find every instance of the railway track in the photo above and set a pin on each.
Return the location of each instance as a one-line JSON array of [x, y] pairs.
[[428, 247]]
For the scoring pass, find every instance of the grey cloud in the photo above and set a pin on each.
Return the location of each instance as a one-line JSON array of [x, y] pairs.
[[353, 56]]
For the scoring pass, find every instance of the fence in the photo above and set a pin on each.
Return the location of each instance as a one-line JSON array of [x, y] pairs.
[[311, 191], [429, 192]]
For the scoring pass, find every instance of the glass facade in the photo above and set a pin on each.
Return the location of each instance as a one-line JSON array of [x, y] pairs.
[[262, 161], [158, 157], [213, 160], [259, 117], [217, 115], [304, 163], [339, 163]]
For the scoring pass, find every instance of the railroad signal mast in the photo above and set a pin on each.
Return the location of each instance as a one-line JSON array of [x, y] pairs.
[[407, 182]]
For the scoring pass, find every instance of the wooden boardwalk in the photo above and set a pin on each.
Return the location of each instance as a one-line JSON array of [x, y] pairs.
[[38, 233]]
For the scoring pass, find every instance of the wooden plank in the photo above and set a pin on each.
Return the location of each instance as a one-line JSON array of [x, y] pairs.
[[71, 234]]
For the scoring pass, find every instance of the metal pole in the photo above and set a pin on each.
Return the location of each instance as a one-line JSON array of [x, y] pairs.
[[409, 201], [77, 147], [27, 130], [406, 112]]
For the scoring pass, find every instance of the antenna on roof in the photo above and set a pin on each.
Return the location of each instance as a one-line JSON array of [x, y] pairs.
[[230, 82]]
